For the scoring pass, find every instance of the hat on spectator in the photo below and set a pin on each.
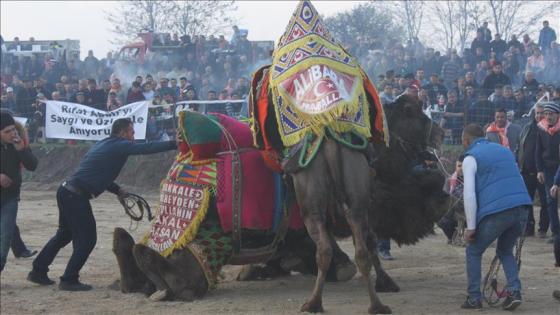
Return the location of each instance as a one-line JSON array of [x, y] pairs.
[[551, 107], [6, 120], [10, 89]]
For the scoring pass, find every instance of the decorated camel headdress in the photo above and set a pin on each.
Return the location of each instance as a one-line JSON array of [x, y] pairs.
[[315, 83]]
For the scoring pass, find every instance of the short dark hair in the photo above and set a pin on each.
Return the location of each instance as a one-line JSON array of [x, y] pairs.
[[474, 131], [91, 81], [461, 158], [501, 110], [120, 125]]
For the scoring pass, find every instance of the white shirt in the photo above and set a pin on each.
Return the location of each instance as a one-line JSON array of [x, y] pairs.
[[469, 191]]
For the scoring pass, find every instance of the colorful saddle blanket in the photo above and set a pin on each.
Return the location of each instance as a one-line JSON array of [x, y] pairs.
[[201, 179]]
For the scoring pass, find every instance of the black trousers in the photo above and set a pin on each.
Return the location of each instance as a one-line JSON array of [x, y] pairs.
[[77, 224], [534, 186], [18, 246]]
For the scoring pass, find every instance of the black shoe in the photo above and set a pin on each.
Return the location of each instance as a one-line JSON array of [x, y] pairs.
[[26, 254], [39, 278], [74, 285], [472, 305], [513, 300], [530, 231], [556, 294]]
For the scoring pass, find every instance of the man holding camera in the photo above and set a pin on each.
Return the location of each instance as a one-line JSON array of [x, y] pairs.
[[13, 153]]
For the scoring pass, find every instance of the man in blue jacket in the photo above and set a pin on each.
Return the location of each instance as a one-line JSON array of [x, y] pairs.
[[496, 201], [96, 173], [546, 36]]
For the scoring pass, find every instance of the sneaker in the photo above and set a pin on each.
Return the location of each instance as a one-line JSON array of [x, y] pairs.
[[74, 285], [39, 278], [530, 231], [472, 304], [541, 234], [512, 301], [26, 254], [551, 239], [385, 255]]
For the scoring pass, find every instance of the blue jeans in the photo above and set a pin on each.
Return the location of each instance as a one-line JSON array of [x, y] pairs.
[[552, 203], [383, 245], [8, 214], [506, 226], [76, 224]]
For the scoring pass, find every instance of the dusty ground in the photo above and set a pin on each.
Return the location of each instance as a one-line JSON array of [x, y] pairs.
[[431, 276]]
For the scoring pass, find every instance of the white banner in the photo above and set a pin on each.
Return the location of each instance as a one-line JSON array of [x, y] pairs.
[[75, 121]]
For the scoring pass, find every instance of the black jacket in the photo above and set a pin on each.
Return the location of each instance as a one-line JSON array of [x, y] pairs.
[[11, 161], [546, 151], [526, 148]]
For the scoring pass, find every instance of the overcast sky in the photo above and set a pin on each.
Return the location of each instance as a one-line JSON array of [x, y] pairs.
[[85, 20]]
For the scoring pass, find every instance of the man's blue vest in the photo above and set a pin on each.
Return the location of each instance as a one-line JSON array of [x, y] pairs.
[[498, 183]]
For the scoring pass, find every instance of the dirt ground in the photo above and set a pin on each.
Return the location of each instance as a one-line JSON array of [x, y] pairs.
[[431, 276]]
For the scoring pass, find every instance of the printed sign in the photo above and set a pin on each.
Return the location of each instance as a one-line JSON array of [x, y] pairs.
[[179, 205], [75, 121], [318, 88]]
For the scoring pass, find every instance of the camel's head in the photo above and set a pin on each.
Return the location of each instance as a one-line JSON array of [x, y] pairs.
[[407, 122]]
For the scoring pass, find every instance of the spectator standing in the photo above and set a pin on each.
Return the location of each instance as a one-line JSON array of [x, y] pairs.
[[147, 91], [502, 132], [547, 159], [486, 33], [451, 70], [496, 201], [528, 168], [554, 194], [453, 116], [547, 35], [91, 65], [135, 93], [113, 102], [386, 96], [514, 42], [96, 173], [25, 98], [434, 88], [10, 102], [480, 43], [495, 78], [499, 46], [14, 152], [536, 64], [94, 96], [482, 111], [530, 84]]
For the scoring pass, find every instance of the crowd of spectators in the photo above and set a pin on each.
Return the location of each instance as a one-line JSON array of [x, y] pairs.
[[182, 69], [468, 88], [455, 89]]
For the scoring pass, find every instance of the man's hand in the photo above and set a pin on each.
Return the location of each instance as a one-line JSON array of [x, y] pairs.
[[122, 193], [540, 177], [18, 143], [470, 235], [5, 181], [554, 191]]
